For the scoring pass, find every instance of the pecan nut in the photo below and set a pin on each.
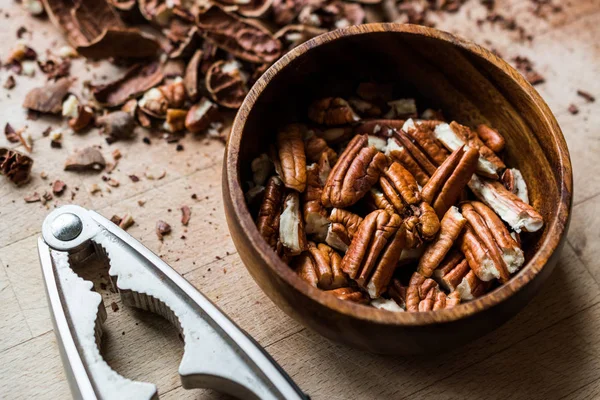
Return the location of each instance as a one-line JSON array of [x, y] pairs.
[[446, 185], [479, 226], [332, 111], [334, 262], [291, 225], [478, 256], [379, 127], [349, 294], [374, 252], [451, 226], [290, 160], [342, 229], [386, 304], [320, 267], [422, 134], [174, 93], [154, 103], [364, 107], [400, 187], [452, 270], [261, 169], [356, 171], [336, 135], [423, 294], [376, 200], [491, 137], [403, 140], [401, 109], [515, 183], [315, 216], [422, 225], [454, 136], [398, 153], [267, 221], [315, 147], [514, 211], [510, 250]]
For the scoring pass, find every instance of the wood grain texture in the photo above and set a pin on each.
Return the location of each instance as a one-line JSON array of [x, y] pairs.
[[470, 85], [563, 312]]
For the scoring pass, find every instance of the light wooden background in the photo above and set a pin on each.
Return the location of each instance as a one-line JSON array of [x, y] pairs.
[[550, 350]]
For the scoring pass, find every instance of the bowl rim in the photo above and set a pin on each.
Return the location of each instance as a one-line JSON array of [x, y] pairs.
[[556, 226]]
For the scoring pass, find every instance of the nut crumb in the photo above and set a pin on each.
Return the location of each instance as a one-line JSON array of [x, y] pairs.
[[573, 109], [162, 229], [58, 187]]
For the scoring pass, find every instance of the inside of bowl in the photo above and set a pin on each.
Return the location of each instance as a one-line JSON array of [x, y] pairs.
[[438, 74]]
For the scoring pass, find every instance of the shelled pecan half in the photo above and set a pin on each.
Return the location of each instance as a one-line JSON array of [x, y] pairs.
[[491, 137], [454, 136], [455, 274], [483, 231], [452, 270], [399, 187], [336, 135], [379, 127], [403, 140], [357, 169], [510, 250], [342, 229], [315, 216], [376, 200], [349, 294], [515, 183], [423, 294], [320, 266], [451, 226], [291, 225], [332, 111], [270, 209], [290, 158], [398, 153], [424, 223], [449, 180], [478, 256], [374, 252], [315, 147], [514, 211], [421, 132]]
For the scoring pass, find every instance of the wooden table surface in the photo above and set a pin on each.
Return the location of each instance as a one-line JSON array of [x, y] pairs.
[[550, 350]]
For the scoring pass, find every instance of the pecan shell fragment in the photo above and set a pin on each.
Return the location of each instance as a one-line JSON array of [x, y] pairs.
[[15, 166], [244, 38]]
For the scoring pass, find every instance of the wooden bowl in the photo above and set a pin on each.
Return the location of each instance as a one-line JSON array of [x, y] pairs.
[[472, 86]]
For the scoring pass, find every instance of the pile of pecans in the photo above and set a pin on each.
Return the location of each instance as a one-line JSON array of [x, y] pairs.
[[368, 192]]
